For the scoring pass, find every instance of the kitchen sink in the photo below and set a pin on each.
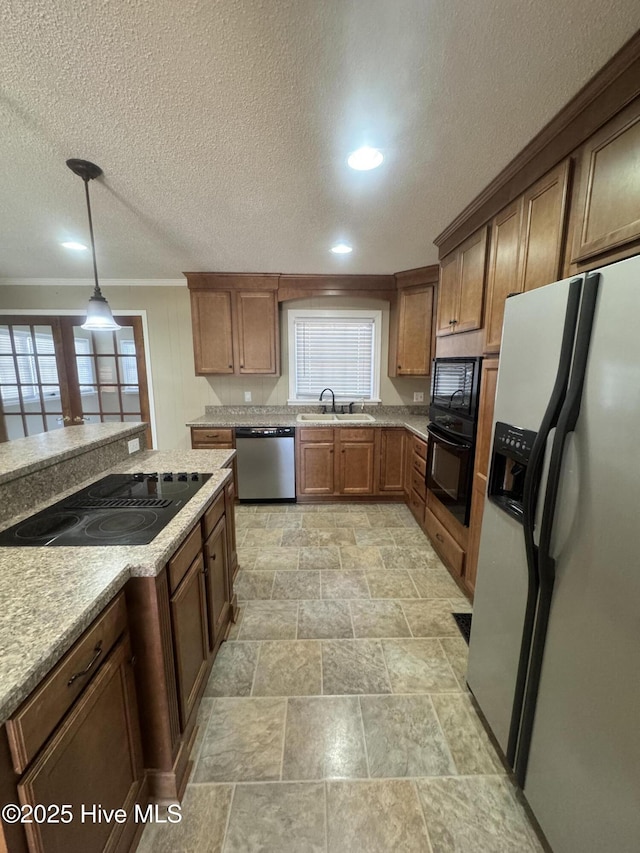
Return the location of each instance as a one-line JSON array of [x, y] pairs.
[[330, 417]]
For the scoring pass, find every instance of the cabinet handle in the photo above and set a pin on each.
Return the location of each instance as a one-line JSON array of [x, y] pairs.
[[439, 538], [212, 557], [399, 367], [98, 652]]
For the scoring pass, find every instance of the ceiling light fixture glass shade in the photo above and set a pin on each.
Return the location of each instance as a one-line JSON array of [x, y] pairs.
[[99, 316], [365, 158], [341, 249]]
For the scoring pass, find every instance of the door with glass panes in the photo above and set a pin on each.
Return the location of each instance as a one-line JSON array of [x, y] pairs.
[[53, 373]]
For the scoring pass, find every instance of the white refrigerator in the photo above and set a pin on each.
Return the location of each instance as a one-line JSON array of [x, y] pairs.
[[554, 657]]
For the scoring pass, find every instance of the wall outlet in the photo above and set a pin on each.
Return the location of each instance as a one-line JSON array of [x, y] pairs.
[[247, 396], [418, 397], [133, 445]]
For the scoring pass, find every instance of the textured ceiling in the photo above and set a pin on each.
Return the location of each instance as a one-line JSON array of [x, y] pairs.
[[223, 126]]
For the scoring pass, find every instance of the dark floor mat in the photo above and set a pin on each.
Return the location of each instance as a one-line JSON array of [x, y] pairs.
[[463, 621]]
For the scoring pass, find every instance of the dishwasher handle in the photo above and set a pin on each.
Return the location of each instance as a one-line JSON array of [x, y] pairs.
[[265, 432]]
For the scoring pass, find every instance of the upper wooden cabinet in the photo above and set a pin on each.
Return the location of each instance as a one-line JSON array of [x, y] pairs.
[[608, 204], [462, 275], [527, 239], [235, 323], [411, 322]]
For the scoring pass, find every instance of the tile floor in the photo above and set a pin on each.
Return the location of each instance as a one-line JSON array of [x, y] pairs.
[[336, 717]]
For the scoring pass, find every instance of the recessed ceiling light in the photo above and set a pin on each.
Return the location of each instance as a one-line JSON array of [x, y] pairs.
[[341, 249], [365, 158], [77, 247]]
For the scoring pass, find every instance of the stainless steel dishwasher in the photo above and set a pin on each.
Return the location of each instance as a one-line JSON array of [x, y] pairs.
[[266, 463]]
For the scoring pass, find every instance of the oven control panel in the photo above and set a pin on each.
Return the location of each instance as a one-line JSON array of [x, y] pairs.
[[513, 441]]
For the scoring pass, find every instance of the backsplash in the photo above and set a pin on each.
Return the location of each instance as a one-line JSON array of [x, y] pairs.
[[251, 409]]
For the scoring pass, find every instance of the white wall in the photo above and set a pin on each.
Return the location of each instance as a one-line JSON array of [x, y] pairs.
[[180, 395]]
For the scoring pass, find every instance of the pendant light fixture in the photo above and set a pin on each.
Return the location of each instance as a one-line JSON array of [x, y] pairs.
[[99, 316]]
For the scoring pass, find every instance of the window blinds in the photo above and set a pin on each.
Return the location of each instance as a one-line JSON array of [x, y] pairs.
[[336, 353]]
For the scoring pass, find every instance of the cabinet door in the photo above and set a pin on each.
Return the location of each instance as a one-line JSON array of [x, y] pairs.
[[355, 468], [315, 468], [609, 210], [392, 460], [503, 270], [230, 512], [212, 336], [190, 637], [257, 325], [415, 317], [448, 294], [217, 582], [473, 258], [541, 242], [95, 756]]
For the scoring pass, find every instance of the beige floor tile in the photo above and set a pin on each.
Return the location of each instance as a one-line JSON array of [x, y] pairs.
[[318, 519], [344, 585], [457, 652], [430, 618], [379, 618], [324, 620], [373, 536], [384, 518], [263, 538], [253, 585], [469, 744], [407, 537], [269, 620], [251, 521], [434, 585], [313, 538], [376, 817], [323, 739], [280, 559], [240, 536], [233, 669], [204, 712], [271, 508], [243, 741], [277, 818], [204, 811], [246, 556], [352, 519], [288, 668], [235, 626], [460, 604], [404, 557], [284, 519], [353, 667], [320, 558], [403, 737], [418, 666], [355, 557], [296, 585], [386, 584], [474, 814]]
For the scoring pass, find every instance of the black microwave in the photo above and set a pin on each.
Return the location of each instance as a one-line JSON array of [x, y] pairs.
[[455, 386]]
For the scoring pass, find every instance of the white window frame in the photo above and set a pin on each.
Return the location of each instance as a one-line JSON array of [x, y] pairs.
[[343, 314]]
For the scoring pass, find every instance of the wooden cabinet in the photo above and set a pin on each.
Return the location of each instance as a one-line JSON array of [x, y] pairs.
[[178, 620], [462, 278], [190, 637], [315, 462], [480, 468], [608, 200], [392, 454], [417, 453], [411, 323], [355, 450], [235, 323], [230, 512], [91, 750], [527, 240]]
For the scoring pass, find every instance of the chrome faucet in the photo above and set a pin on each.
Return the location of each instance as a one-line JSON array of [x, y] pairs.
[[333, 399]]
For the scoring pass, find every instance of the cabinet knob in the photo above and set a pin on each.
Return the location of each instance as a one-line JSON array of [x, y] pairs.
[[399, 367], [230, 365], [212, 557]]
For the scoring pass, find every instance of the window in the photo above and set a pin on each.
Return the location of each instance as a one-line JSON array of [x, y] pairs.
[[334, 349]]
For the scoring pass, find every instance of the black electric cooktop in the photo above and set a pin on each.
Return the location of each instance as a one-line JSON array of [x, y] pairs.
[[121, 509]]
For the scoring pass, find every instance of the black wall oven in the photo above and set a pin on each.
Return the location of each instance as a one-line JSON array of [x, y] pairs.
[[453, 415]]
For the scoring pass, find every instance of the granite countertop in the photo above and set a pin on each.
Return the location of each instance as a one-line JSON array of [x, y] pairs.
[[253, 416], [25, 455], [48, 596]]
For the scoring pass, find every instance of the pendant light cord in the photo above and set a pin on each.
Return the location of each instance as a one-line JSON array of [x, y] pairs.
[[97, 291]]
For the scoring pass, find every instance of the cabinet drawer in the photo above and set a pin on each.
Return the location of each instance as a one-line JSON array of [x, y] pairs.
[[322, 434], [213, 515], [418, 484], [451, 553], [416, 505], [350, 434], [184, 556], [207, 436], [420, 465], [420, 447], [39, 715]]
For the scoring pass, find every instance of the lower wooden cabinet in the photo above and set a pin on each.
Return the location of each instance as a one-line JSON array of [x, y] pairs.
[[355, 458], [393, 449], [315, 474], [93, 754], [217, 576]]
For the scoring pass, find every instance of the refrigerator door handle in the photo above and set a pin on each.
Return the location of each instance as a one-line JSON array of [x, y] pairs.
[[546, 564], [529, 502]]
